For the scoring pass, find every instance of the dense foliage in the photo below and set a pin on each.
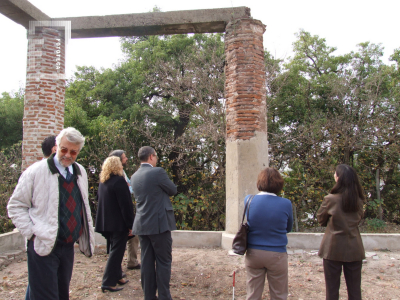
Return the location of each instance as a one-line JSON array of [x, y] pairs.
[[167, 94], [10, 170], [323, 110], [11, 113]]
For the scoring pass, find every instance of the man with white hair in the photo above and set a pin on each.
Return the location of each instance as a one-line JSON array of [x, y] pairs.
[[50, 208]]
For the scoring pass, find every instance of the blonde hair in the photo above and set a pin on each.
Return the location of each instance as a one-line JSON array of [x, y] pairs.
[[112, 165]]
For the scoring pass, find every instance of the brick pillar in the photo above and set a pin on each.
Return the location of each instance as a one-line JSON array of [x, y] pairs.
[[44, 92], [246, 129]]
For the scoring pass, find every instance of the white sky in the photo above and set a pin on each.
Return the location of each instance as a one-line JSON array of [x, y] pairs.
[[343, 23]]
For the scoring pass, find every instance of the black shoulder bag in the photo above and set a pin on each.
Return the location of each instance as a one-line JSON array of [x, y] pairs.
[[239, 244]]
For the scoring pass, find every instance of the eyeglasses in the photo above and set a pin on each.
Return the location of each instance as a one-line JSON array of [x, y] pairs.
[[65, 151]]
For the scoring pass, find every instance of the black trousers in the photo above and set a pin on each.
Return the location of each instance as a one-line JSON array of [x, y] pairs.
[[49, 276], [156, 258], [352, 275], [113, 271]]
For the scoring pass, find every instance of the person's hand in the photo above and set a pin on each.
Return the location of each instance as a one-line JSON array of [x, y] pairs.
[[130, 232]]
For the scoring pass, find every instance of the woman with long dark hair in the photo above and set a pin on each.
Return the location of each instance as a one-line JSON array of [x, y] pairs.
[[341, 246]]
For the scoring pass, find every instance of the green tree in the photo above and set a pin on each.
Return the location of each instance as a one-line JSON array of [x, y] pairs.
[[325, 110], [10, 170], [168, 94], [11, 114]]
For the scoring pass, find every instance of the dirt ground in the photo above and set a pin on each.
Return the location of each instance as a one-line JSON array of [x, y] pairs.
[[207, 274]]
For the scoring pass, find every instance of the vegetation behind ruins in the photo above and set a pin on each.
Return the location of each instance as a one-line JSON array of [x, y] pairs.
[[323, 110]]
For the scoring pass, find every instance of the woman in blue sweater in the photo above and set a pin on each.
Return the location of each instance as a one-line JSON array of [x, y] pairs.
[[270, 218]]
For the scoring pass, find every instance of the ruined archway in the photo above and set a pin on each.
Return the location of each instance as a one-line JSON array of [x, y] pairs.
[[247, 146]]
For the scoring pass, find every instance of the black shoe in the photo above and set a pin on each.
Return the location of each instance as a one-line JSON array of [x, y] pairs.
[[111, 289], [120, 282], [134, 268]]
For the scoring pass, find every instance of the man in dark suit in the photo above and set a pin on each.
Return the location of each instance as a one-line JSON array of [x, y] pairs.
[[153, 224]]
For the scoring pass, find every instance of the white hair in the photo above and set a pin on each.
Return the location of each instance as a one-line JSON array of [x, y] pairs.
[[72, 135]]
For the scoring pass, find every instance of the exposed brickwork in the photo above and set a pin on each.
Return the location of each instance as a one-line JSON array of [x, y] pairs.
[[44, 92], [245, 79]]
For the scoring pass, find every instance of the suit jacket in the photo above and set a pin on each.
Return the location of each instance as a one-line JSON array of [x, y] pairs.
[[151, 189], [115, 208], [342, 240]]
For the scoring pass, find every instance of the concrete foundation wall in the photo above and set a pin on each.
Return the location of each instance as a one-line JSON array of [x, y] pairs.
[[300, 240], [185, 238], [11, 241], [196, 239]]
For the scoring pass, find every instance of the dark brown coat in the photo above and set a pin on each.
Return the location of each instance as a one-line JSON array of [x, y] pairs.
[[342, 239]]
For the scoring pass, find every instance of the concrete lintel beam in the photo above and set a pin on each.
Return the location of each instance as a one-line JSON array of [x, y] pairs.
[[21, 12], [156, 23]]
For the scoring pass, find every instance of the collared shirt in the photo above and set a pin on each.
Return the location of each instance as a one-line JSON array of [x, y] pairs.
[[61, 169], [146, 164], [266, 193], [128, 182]]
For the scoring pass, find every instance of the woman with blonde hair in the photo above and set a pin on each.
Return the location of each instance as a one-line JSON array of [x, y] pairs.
[[114, 219], [342, 246]]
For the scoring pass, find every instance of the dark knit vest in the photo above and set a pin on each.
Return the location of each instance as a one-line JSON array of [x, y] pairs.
[[70, 210]]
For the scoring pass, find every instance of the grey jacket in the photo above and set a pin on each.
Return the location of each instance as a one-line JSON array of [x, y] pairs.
[[151, 189]]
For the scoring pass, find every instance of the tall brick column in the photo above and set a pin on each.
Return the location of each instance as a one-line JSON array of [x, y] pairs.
[[44, 93], [246, 129]]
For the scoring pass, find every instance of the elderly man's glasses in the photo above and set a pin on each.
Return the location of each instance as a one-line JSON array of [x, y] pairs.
[[71, 152]]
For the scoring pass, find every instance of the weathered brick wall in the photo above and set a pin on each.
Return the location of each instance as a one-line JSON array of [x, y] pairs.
[[44, 93], [245, 91]]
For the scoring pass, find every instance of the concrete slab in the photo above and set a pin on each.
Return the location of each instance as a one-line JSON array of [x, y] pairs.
[[21, 12], [156, 23]]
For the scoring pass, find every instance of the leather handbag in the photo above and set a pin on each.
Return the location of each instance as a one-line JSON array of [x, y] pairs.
[[239, 244]]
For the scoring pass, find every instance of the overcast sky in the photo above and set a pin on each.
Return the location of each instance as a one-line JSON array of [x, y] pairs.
[[343, 23]]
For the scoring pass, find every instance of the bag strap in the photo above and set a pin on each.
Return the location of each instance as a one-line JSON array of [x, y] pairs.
[[247, 207]]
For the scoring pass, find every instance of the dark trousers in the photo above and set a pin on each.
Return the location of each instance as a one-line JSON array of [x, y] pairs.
[[49, 276], [27, 293], [113, 271], [352, 275], [156, 260]]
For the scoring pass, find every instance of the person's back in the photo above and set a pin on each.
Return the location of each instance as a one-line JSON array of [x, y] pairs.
[[269, 221], [153, 224], [341, 246], [152, 188], [342, 223], [270, 218]]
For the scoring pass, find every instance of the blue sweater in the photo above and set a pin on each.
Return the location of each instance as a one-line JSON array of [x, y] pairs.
[[270, 218]]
